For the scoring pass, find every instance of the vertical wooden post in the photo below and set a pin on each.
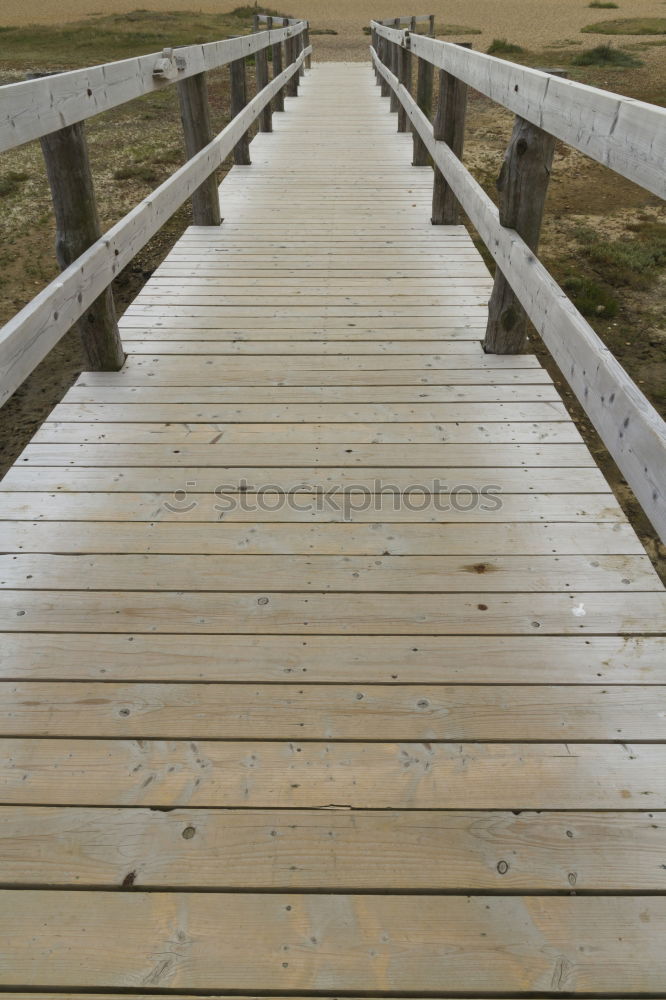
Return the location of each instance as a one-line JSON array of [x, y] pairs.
[[261, 66], [393, 65], [195, 116], [77, 228], [238, 102], [522, 186], [291, 50], [405, 78], [449, 126], [424, 80], [278, 100], [306, 39], [384, 55], [300, 45]]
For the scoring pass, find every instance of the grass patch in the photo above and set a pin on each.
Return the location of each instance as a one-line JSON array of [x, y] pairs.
[[590, 298], [500, 46], [629, 262], [325, 31], [106, 37], [135, 172], [456, 29], [605, 55], [605, 4], [11, 182], [628, 26]]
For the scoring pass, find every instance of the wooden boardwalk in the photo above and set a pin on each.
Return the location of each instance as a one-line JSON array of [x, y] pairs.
[[404, 739]]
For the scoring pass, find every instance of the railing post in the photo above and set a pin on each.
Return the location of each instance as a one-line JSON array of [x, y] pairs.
[[290, 48], [300, 45], [306, 40], [522, 187], [261, 67], [238, 102], [195, 116], [424, 81], [449, 126], [405, 78], [384, 54], [77, 228], [393, 65], [278, 100]]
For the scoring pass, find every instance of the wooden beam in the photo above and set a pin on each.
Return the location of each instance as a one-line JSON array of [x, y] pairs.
[[424, 84], [261, 67], [628, 424], [627, 135], [36, 107], [29, 336], [195, 116], [278, 102], [405, 77]]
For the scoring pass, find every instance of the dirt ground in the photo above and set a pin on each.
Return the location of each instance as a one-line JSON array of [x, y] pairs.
[[530, 23], [590, 210]]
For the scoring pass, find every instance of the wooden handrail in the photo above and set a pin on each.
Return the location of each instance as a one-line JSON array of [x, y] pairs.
[[628, 424], [29, 336], [627, 135], [408, 19], [34, 108]]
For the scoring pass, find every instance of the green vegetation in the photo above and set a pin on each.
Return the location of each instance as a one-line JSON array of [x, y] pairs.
[[105, 37], [605, 55], [632, 263], [325, 31], [628, 26], [456, 29], [135, 172], [11, 182], [500, 46], [590, 298], [606, 4]]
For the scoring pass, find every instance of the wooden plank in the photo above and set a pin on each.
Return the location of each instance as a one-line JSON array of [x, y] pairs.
[[318, 775], [412, 659], [333, 480], [112, 939], [83, 392], [327, 454], [400, 573], [318, 614], [529, 713], [334, 850], [174, 372], [194, 413], [387, 432], [33, 108], [630, 427], [273, 508]]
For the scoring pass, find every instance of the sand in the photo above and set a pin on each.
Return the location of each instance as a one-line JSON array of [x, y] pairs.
[[532, 23]]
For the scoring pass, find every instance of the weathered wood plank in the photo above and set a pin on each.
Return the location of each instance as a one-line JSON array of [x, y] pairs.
[[317, 775], [318, 614], [529, 713], [335, 850]]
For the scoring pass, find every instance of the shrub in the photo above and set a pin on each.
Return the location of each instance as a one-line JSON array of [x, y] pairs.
[[135, 171], [590, 298], [605, 55], [629, 26], [11, 181], [500, 46], [603, 3]]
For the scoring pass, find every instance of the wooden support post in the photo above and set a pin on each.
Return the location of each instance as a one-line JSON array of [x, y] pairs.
[[300, 45], [276, 54], [449, 126], [195, 116], [291, 52], [405, 78], [393, 65], [306, 39], [261, 67], [238, 102], [77, 228], [424, 81], [522, 186], [384, 55]]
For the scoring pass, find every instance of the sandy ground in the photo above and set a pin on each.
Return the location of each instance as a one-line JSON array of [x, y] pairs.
[[532, 23]]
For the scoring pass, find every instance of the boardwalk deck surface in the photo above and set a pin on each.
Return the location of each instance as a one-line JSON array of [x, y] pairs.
[[388, 742]]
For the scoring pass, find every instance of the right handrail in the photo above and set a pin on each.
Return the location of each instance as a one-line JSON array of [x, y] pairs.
[[628, 424]]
